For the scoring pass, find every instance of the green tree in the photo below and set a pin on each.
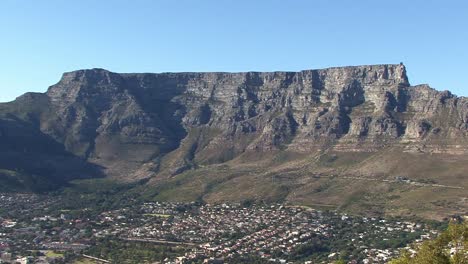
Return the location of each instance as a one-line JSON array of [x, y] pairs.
[[451, 247]]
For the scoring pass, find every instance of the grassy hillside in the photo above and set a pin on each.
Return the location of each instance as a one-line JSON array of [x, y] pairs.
[[388, 182]]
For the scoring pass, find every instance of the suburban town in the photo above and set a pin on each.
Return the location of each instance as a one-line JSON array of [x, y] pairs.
[[33, 231]]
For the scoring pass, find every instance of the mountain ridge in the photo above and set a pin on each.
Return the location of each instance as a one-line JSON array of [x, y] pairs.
[[163, 126]]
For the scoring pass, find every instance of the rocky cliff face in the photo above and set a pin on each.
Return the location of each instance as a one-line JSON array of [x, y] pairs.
[[141, 125]]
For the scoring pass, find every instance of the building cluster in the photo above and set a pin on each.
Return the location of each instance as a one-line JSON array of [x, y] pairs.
[[273, 232], [210, 233]]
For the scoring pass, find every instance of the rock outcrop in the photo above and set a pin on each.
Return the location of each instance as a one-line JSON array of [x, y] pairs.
[[139, 125]]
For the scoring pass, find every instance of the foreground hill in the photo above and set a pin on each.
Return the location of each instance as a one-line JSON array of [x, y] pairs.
[[357, 138]]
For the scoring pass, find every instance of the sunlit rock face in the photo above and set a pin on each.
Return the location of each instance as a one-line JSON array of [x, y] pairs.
[[129, 124]]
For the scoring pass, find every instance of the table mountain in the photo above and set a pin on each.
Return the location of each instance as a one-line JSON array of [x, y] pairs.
[[225, 136]]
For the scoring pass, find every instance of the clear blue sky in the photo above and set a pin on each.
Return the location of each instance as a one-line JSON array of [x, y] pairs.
[[39, 40]]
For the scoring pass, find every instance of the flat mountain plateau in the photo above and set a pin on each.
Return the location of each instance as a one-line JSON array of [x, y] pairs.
[[359, 139]]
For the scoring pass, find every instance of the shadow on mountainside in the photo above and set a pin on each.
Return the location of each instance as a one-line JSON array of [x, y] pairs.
[[33, 161]]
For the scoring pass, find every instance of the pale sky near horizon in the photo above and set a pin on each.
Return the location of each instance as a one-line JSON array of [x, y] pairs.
[[39, 40]]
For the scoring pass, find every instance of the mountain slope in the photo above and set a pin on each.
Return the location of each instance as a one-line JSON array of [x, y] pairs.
[[240, 130]]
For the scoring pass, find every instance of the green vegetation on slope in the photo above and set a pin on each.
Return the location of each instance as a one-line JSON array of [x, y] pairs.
[[388, 182], [451, 247]]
